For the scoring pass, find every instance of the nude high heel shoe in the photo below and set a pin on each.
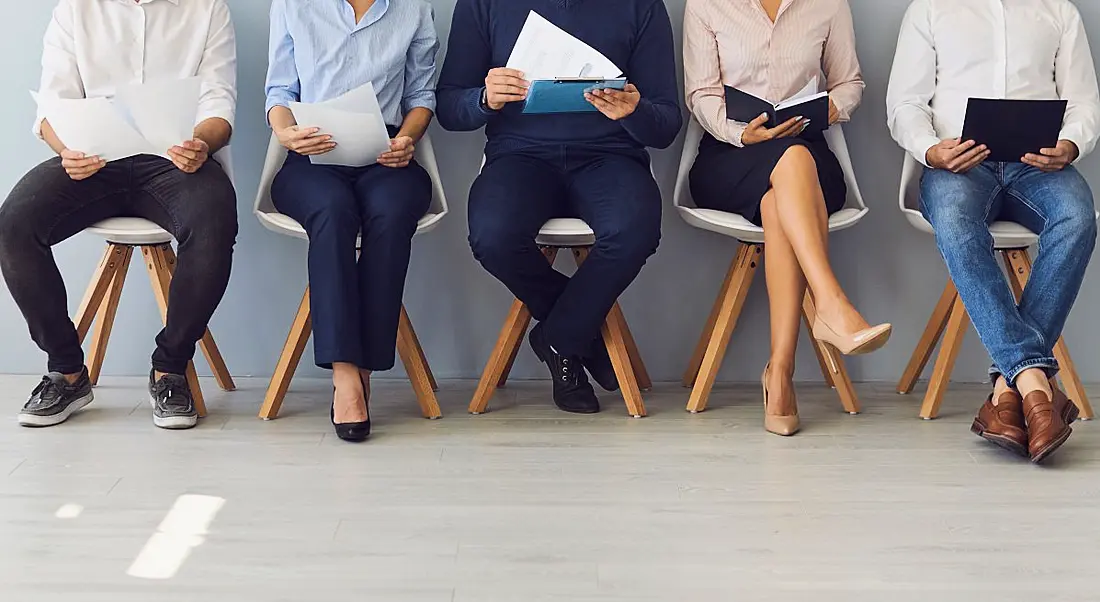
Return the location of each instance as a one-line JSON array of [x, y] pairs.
[[864, 341], [784, 426]]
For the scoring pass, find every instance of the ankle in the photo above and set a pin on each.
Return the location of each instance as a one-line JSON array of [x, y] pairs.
[[1033, 380], [1000, 387], [72, 378], [781, 369]]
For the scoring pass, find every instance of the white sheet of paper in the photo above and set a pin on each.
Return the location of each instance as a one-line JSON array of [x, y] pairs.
[[359, 136], [545, 51], [95, 127], [164, 112]]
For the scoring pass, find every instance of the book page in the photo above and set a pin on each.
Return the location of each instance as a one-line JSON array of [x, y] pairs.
[[808, 92]]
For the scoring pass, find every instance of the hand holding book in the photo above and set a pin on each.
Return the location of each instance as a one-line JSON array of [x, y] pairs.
[[757, 131]]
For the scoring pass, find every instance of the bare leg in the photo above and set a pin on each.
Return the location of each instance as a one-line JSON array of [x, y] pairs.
[[1000, 387], [364, 376], [786, 287], [348, 403], [1033, 380], [800, 208]]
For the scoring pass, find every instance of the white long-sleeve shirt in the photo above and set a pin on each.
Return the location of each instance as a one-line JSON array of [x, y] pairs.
[[93, 47], [953, 50]]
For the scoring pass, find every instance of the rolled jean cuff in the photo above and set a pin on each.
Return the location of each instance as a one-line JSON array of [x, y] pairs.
[[1048, 364]]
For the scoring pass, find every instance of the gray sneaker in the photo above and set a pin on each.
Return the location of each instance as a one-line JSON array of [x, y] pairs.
[[54, 400], [173, 407]]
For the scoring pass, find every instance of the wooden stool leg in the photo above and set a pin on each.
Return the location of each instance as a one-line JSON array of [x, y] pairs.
[[97, 289], [824, 361], [636, 362], [551, 254], [422, 359], [511, 337], [105, 317], [696, 360], [412, 356], [291, 355], [206, 344], [932, 334], [615, 339], [156, 263], [732, 302], [832, 360], [1018, 262], [953, 336]]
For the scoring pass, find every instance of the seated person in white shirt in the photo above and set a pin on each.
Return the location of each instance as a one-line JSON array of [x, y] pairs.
[[946, 54], [91, 48]]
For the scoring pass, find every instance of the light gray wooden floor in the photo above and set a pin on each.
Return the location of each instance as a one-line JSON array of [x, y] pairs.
[[526, 504]]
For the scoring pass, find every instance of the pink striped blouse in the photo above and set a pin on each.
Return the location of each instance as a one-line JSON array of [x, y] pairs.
[[735, 43]]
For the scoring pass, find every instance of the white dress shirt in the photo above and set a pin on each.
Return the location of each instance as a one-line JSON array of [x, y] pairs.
[[94, 46], [953, 50]]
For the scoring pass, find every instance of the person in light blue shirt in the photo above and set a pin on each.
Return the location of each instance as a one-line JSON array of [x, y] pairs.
[[319, 50]]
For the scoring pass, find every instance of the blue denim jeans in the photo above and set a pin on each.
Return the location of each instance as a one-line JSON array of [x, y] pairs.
[[1058, 206]]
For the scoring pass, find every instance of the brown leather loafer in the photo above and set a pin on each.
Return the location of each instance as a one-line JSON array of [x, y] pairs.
[[1003, 424], [1064, 406], [1046, 428]]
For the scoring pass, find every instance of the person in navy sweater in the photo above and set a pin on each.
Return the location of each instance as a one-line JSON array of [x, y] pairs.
[[593, 166]]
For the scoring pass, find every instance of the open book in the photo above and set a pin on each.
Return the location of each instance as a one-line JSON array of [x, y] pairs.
[[807, 103]]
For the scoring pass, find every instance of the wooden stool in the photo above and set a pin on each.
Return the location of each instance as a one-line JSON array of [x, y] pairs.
[[707, 359], [949, 323], [408, 347], [100, 303], [627, 362]]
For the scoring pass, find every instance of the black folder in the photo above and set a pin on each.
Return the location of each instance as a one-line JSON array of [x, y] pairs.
[[1013, 128], [744, 107]]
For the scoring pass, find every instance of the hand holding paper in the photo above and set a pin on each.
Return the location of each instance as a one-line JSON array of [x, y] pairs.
[[353, 125]]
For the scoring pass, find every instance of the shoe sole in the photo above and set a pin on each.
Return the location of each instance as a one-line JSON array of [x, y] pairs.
[[32, 421], [1052, 447], [1015, 447], [174, 423], [873, 345]]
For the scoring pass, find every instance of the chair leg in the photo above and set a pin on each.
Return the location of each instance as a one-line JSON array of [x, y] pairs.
[[206, 344], [105, 317], [412, 356], [101, 281], [636, 362], [551, 254], [696, 361], [511, 337], [1018, 262], [831, 360], [291, 355], [156, 263], [932, 334], [953, 335], [422, 358], [732, 301]]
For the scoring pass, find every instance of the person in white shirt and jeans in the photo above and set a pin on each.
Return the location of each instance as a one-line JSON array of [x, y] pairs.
[[91, 48], [953, 50]]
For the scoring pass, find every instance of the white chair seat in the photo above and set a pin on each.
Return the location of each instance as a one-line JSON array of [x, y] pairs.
[[566, 232], [733, 225], [1006, 235], [131, 231]]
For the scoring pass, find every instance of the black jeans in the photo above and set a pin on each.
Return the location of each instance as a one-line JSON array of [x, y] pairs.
[[47, 207]]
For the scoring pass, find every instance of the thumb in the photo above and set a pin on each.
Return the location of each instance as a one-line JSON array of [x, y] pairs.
[[759, 121]]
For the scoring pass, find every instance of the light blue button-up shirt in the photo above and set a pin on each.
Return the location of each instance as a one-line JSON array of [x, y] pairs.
[[318, 52]]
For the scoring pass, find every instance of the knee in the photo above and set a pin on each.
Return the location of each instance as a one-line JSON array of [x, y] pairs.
[[396, 219], [632, 241], [215, 227], [1079, 220], [796, 161], [17, 227], [492, 237]]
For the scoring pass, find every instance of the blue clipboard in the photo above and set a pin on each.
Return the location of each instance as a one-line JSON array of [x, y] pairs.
[[565, 95]]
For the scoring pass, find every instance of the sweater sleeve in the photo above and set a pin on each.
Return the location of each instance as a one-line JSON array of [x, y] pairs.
[[652, 68], [462, 80]]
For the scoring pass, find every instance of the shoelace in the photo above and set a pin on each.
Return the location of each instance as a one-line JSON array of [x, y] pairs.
[[46, 392], [165, 392]]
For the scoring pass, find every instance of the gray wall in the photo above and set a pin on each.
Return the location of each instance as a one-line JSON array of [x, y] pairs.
[[891, 271]]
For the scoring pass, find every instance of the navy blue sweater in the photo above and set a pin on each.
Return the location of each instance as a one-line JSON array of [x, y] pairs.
[[635, 34]]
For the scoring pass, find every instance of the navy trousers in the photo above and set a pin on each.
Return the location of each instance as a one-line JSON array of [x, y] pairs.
[[356, 302], [612, 190]]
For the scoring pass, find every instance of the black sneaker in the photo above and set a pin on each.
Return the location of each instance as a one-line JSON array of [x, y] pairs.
[[598, 363], [572, 392], [54, 400], [173, 407]]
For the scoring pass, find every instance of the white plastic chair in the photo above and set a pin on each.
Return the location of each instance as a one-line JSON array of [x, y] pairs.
[[408, 346], [576, 235], [711, 349], [949, 320], [100, 303]]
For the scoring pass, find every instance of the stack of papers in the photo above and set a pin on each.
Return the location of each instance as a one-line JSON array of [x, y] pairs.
[[355, 123], [141, 119], [545, 51]]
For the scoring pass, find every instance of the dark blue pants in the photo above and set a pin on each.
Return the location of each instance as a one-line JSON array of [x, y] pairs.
[[613, 191], [356, 302]]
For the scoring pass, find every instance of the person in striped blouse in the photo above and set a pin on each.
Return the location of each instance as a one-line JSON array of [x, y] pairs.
[[321, 49], [784, 178]]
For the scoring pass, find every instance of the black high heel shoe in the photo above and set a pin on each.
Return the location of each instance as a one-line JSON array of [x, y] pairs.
[[352, 432]]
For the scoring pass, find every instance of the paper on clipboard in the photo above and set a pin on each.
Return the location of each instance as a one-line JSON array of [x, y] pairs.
[[143, 119], [545, 51], [355, 123]]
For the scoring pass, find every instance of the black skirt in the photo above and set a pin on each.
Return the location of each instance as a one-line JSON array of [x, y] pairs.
[[735, 179]]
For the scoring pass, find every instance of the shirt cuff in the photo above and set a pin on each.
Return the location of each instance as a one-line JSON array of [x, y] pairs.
[[217, 109], [1075, 135], [920, 147], [477, 95], [420, 101]]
